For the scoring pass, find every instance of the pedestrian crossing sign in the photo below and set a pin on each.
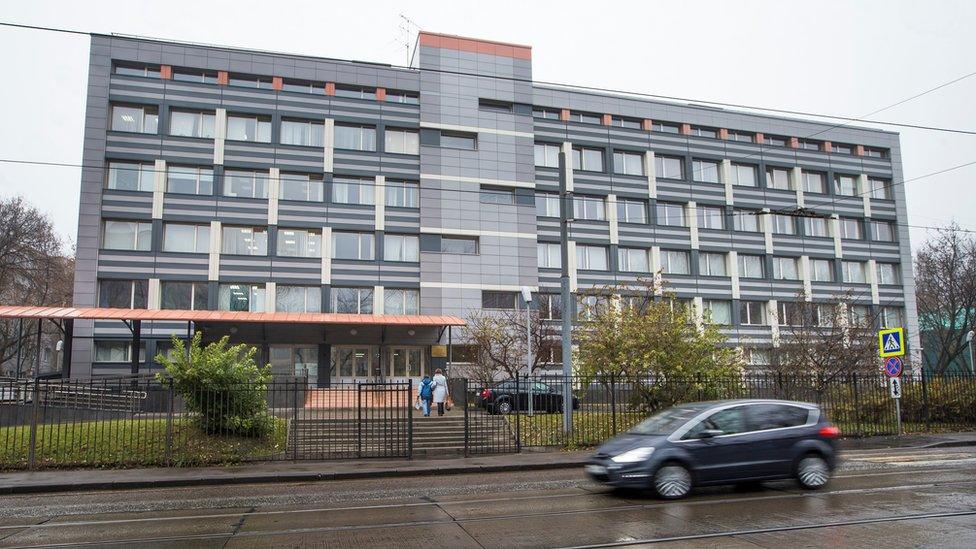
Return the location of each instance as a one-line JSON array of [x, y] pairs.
[[891, 342]]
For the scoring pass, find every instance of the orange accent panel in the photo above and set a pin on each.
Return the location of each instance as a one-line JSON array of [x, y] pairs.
[[686, 129], [760, 138], [723, 133], [475, 45], [381, 94], [277, 83], [607, 120], [827, 147], [330, 88], [223, 78], [564, 115], [647, 124], [794, 143], [165, 72], [859, 150]]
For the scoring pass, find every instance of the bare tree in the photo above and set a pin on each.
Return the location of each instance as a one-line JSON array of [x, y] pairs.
[[499, 343], [945, 278], [34, 270]]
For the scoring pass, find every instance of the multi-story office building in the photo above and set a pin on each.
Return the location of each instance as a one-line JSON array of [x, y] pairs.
[[227, 179]]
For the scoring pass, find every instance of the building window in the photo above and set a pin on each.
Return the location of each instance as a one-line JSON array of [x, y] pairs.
[[130, 176], [585, 117], [405, 97], [244, 241], [179, 237], [853, 272], [401, 247], [495, 106], [241, 297], [671, 215], [711, 217], [851, 229], [145, 71], [133, 118], [248, 81], [882, 231], [712, 264], [775, 140], [353, 246], [888, 273], [191, 124], [859, 316], [743, 137], [547, 205], [705, 171], [401, 302], [550, 306], [814, 182], [628, 163], [304, 133], [809, 145], [845, 185], [402, 194], [189, 180], [717, 311], [587, 159], [459, 140], [788, 314], [351, 190], [745, 221], [744, 175], [246, 184], [786, 268], [822, 270], [184, 296], [589, 307], [624, 122], [355, 92], [676, 262], [631, 211], [357, 301], [545, 113], [298, 299], [880, 188], [550, 255], [815, 226], [591, 258], [589, 208], [891, 317], [126, 235], [253, 128], [636, 303], [752, 313], [665, 127], [669, 167], [701, 131], [496, 195], [782, 224], [633, 260], [459, 245], [778, 178], [195, 75], [301, 187], [118, 351], [299, 242], [841, 148], [751, 266], [355, 138], [499, 300], [122, 294], [399, 141], [547, 155], [875, 153]]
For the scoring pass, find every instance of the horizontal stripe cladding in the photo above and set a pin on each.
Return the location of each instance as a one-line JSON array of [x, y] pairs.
[[244, 268], [238, 211], [891, 295], [883, 209], [885, 252], [126, 205], [295, 270], [589, 232], [125, 264], [796, 246], [172, 266], [180, 207], [672, 237]]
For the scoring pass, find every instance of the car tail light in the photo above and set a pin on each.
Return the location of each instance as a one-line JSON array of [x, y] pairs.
[[830, 431], [486, 393]]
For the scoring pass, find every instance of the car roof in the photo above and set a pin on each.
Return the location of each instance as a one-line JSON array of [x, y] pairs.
[[716, 403]]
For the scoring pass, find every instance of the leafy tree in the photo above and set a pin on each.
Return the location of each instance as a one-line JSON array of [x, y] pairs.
[[223, 386]]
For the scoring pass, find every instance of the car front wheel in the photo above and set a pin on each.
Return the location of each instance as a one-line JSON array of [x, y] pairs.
[[812, 472], [504, 407], [672, 481]]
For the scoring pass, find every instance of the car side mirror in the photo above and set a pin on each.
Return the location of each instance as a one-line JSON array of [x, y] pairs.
[[712, 433]]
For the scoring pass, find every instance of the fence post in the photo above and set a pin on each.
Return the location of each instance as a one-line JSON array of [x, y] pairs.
[[294, 418], [464, 385], [409, 419], [359, 420], [857, 409], [169, 428], [925, 402], [518, 418], [613, 402], [33, 426]]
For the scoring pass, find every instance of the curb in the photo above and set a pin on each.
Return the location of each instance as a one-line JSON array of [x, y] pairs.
[[282, 477]]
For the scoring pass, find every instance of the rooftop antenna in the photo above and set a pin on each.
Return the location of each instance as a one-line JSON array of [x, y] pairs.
[[407, 27]]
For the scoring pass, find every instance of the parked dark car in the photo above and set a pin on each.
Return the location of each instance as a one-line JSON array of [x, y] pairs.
[[505, 397], [707, 443]]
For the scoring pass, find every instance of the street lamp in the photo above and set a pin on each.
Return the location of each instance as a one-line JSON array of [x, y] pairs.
[[527, 297], [969, 341]]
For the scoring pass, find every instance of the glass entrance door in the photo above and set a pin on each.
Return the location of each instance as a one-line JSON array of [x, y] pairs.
[[295, 361], [351, 364], [406, 362]]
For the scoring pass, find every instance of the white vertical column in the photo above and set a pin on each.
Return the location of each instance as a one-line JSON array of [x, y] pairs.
[[656, 269], [159, 188], [611, 206], [328, 145], [727, 181], [873, 279], [767, 227], [270, 296], [796, 179], [651, 174], [862, 187], [571, 253], [691, 214], [772, 314], [274, 191], [153, 299], [835, 232], [805, 277], [326, 255], [213, 272], [379, 198], [732, 266], [220, 134], [378, 300], [568, 149]]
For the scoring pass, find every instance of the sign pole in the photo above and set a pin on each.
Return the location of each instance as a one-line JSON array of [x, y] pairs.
[[898, 414], [564, 295]]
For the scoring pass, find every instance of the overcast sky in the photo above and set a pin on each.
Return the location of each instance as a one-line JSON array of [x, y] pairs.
[[843, 58]]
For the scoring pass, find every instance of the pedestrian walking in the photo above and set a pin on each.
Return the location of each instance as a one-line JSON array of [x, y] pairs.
[[441, 392], [425, 393]]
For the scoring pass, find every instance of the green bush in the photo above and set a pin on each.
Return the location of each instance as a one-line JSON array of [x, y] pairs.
[[222, 386]]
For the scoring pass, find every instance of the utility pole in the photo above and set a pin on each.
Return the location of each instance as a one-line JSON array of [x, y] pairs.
[[527, 297], [567, 331]]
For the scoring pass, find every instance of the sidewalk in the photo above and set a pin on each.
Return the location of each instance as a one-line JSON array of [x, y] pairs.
[[20, 482]]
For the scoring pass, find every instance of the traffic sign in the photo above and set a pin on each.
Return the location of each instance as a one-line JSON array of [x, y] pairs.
[[892, 366], [891, 342], [894, 387]]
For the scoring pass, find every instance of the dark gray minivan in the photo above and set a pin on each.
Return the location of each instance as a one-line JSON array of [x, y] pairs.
[[725, 442]]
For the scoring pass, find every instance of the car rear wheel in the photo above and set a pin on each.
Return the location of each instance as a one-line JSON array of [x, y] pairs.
[[504, 407], [672, 481], [812, 472]]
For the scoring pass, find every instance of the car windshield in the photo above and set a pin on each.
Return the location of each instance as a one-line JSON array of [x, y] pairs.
[[665, 422]]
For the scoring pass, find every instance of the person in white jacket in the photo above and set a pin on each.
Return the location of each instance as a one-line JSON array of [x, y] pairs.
[[440, 390]]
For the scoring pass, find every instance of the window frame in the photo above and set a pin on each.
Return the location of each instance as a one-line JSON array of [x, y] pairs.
[[459, 238], [405, 256], [363, 239], [262, 124], [197, 241]]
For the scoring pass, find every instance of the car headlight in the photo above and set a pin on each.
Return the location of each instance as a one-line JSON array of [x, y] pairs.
[[633, 456]]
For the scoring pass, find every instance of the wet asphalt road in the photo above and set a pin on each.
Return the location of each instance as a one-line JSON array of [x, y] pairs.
[[888, 498]]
